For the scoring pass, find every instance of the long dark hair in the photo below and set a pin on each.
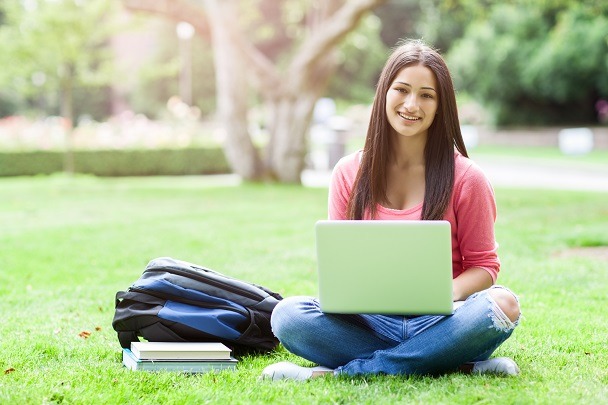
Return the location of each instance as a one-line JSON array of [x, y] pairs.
[[443, 135]]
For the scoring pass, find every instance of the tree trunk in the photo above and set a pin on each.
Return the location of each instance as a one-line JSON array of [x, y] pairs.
[[289, 96], [67, 112], [289, 123], [232, 87], [232, 92], [289, 115]]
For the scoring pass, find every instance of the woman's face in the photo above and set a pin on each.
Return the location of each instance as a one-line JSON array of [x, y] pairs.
[[412, 101]]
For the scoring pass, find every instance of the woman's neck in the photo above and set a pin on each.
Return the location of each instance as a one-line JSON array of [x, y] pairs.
[[407, 152]]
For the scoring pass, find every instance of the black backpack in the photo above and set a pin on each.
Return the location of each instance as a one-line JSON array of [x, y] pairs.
[[177, 301]]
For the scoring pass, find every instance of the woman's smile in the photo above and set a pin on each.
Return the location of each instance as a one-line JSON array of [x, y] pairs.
[[408, 117]]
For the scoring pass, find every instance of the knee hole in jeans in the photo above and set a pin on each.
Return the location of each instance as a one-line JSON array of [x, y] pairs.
[[507, 302]]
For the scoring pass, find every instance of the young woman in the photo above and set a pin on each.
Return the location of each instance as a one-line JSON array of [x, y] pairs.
[[414, 166]]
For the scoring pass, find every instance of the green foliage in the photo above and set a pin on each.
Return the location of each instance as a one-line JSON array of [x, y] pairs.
[[276, 27], [70, 243], [152, 162], [118, 162], [527, 61], [534, 63], [30, 163], [579, 41], [8, 105], [93, 103], [486, 61], [402, 19], [49, 46], [361, 56]]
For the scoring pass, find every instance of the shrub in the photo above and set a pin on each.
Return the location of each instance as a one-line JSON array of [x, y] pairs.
[[150, 162], [30, 163]]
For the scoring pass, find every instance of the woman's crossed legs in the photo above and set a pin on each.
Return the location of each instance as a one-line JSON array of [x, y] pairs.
[[361, 344]]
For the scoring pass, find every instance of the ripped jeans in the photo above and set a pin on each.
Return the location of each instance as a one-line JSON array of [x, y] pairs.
[[364, 344]]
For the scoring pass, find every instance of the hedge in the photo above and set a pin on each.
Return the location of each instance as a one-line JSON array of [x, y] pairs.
[[150, 162]]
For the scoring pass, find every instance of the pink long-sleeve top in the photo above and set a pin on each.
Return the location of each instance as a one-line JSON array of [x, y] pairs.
[[471, 212]]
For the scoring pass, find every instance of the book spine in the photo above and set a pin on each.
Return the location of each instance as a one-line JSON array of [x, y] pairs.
[[184, 367]]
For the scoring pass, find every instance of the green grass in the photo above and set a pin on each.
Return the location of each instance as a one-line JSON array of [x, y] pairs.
[[68, 244]]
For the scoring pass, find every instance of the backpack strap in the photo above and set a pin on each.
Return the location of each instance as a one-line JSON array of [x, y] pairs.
[[136, 296], [125, 339], [157, 332]]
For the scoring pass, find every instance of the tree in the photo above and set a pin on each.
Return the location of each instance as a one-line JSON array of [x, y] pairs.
[[536, 63], [289, 90], [579, 42], [54, 46]]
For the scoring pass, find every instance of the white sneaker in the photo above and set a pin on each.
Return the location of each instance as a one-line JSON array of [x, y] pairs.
[[289, 371], [497, 365]]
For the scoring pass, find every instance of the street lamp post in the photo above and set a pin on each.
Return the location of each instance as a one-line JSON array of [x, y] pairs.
[[185, 32]]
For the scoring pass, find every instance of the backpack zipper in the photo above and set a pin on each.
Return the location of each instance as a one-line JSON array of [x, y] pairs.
[[216, 283]]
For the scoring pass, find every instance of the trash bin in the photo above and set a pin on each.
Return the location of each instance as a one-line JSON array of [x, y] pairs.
[[336, 142], [575, 141]]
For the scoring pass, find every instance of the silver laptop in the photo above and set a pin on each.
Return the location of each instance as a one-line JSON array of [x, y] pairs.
[[385, 267]]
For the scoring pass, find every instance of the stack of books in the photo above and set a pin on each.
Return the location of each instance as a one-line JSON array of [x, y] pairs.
[[173, 356]]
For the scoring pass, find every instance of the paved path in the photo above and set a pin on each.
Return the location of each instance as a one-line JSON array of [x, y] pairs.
[[521, 173], [528, 173]]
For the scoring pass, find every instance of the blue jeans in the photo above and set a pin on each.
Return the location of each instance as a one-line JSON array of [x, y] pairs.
[[363, 344]]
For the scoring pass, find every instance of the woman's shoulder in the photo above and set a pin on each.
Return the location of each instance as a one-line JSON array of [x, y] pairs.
[[468, 175], [467, 169]]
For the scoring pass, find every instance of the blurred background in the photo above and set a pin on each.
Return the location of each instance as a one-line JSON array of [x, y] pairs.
[[269, 89]]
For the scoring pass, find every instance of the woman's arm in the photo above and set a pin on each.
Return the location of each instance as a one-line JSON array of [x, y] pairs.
[[472, 280], [475, 212]]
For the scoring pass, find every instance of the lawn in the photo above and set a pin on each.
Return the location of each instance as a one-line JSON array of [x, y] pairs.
[[68, 244]]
